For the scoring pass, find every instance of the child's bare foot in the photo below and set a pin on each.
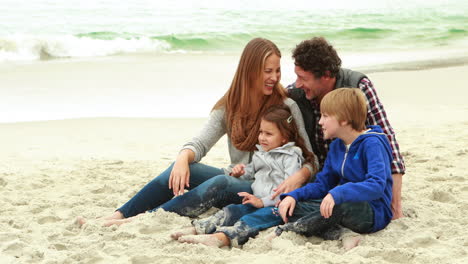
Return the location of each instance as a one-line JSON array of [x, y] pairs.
[[184, 232], [350, 242], [208, 240], [80, 221]]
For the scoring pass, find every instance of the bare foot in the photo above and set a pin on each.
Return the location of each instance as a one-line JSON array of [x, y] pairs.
[[80, 221], [350, 242], [117, 222], [209, 240], [115, 215], [184, 232]]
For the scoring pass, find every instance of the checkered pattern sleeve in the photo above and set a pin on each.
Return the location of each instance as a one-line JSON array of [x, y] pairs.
[[376, 115]]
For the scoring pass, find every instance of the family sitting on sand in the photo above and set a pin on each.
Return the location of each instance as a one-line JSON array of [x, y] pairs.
[[355, 180]]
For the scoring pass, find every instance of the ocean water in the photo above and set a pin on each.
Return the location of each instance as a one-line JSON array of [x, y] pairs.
[[45, 29], [366, 33]]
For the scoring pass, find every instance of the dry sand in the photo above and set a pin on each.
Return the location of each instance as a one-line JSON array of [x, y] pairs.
[[51, 172]]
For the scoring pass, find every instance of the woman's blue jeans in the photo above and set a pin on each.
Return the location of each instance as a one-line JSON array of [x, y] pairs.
[[208, 187]]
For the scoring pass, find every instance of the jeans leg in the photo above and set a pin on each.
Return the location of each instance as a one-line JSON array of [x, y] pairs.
[[250, 225], [218, 192], [308, 220], [157, 191]]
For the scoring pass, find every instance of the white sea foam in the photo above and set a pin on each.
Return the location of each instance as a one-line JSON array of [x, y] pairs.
[[27, 47]]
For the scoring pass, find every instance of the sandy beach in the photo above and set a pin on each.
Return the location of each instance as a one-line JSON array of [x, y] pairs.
[[53, 171]]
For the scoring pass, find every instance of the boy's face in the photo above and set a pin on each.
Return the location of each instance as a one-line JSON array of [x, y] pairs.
[[270, 136], [330, 126]]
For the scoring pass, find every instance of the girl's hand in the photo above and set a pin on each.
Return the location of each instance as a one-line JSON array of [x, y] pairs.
[[180, 175], [238, 170], [251, 199], [326, 207], [286, 207]]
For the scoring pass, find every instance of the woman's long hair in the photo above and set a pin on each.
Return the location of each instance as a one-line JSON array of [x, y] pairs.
[[282, 117], [244, 102]]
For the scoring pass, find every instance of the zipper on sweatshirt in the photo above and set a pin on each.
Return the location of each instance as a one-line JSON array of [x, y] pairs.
[[344, 160]]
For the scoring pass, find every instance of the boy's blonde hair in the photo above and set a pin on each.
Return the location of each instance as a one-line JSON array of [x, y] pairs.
[[346, 104]]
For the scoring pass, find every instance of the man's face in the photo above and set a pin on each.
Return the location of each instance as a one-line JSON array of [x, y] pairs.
[[312, 86]]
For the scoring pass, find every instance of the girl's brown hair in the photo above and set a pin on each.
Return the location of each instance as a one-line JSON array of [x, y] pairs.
[[245, 102], [281, 116]]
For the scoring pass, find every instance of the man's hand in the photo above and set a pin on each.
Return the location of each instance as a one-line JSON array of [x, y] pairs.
[[292, 182], [251, 199], [286, 207], [326, 207], [238, 170], [396, 196]]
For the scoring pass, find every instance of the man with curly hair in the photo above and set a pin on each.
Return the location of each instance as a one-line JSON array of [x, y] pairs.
[[318, 70]]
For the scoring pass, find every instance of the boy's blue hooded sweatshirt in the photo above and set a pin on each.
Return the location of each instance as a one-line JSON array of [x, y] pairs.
[[363, 173]]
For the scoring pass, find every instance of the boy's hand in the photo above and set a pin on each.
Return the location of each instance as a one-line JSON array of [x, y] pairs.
[[326, 207], [251, 199], [238, 170], [286, 207]]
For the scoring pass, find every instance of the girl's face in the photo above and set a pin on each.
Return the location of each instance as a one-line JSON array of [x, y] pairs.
[[270, 136], [271, 74]]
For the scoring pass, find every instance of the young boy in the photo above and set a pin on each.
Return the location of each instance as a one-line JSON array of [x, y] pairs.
[[355, 184]]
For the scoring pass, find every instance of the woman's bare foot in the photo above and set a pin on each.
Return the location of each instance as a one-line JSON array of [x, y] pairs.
[[115, 215], [213, 240], [350, 242], [184, 232], [117, 222]]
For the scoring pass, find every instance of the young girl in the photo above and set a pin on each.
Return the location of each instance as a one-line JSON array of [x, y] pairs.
[[279, 155]]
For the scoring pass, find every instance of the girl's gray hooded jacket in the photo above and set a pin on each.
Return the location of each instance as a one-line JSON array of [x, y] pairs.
[[270, 169]]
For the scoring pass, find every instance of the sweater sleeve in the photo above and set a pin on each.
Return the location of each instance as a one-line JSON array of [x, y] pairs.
[[212, 131], [373, 186]]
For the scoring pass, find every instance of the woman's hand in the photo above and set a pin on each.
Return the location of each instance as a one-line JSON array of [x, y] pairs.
[[286, 207], [251, 199], [180, 174], [292, 182], [238, 170], [326, 207]]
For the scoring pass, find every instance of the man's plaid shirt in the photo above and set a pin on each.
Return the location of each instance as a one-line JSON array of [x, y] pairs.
[[375, 116]]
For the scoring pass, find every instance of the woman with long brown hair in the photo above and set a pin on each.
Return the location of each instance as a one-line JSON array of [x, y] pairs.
[[255, 87]]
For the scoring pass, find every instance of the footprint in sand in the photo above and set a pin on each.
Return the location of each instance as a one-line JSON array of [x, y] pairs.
[[3, 182], [150, 230], [421, 160], [48, 220], [15, 248], [441, 196]]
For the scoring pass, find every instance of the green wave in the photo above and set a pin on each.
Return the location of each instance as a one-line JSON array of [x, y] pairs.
[[457, 31], [362, 32]]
